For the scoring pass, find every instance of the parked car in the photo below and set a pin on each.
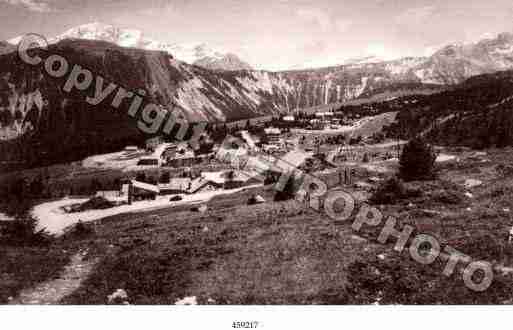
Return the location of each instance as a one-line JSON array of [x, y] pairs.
[[176, 198]]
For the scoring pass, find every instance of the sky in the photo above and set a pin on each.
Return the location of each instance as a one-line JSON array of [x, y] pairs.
[[277, 34]]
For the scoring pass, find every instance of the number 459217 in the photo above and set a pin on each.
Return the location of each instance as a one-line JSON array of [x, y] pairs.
[[245, 325]]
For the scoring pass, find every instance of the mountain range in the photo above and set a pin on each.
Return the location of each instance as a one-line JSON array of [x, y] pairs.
[[34, 107], [192, 53]]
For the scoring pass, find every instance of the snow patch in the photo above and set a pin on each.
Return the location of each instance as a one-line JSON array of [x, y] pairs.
[[51, 215], [5, 217]]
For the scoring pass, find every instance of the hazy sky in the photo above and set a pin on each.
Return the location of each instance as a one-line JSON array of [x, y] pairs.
[[273, 34]]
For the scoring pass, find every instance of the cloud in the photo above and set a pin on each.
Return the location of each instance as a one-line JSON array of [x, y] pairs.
[[32, 5], [322, 19], [316, 16], [415, 16], [162, 8]]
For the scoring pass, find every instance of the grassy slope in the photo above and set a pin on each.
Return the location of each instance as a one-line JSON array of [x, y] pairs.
[[26, 266], [265, 254], [282, 253]]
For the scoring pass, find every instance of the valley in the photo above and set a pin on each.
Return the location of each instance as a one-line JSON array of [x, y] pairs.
[[96, 210]]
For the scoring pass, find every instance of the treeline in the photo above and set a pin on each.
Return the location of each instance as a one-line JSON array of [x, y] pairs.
[[476, 113], [19, 188]]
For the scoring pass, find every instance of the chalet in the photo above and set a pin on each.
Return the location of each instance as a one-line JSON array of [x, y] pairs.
[[148, 162], [153, 143], [131, 149], [182, 161], [179, 156], [112, 195], [324, 115], [273, 135], [202, 184], [271, 148], [142, 191], [249, 139], [175, 186], [210, 181], [169, 152], [304, 161], [292, 160]]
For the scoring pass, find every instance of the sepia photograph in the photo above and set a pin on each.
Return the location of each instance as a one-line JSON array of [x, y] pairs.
[[200, 155]]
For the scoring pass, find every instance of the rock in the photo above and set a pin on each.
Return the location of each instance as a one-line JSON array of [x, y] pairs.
[[256, 199], [469, 195], [118, 297], [358, 238], [187, 301], [445, 158], [205, 229], [200, 209], [362, 185], [448, 197], [471, 183], [382, 256]]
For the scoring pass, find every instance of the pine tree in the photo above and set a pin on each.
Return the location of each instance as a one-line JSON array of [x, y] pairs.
[[417, 161]]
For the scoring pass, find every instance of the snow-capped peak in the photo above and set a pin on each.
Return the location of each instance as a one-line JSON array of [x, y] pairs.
[[188, 52], [104, 32], [191, 53]]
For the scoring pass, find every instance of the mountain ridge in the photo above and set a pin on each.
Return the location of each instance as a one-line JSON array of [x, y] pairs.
[[35, 113], [191, 53]]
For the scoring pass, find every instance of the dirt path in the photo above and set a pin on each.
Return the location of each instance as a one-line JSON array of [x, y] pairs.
[[54, 219], [52, 291]]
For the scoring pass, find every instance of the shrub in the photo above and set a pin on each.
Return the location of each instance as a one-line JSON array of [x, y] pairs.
[[389, 191], [417, 161], [287, 192], [448, 197], [95, 203], [22, 232], [355, 140], [80, 230]]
